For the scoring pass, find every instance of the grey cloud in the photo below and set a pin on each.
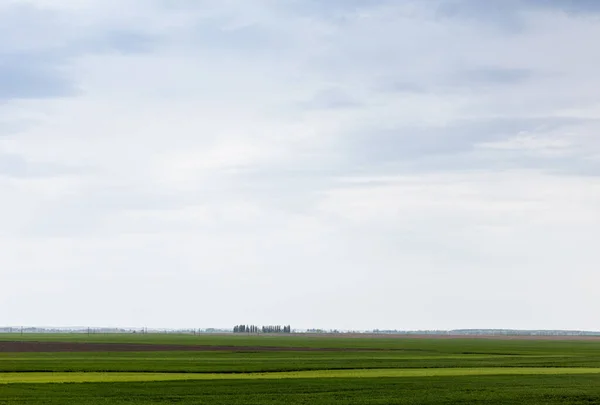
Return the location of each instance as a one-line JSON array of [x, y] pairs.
[[23, 26], [469, 78], [122, 41], [508, 13], [16, 166], [575, 6], [247, 38], [373, 149], [221, 27], [297, 7], [10, 164], [298, 185], [475, 7], [331, 98], [573, 165], [503, 14], [32, 76], [403, 87], [334, 6], [495, 75], [42, 74], [10, 127], [32, 65]]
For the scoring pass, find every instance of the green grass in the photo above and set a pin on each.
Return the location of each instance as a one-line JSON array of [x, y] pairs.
[[45, 378], [204, 362], [382, 371], [522, 389]]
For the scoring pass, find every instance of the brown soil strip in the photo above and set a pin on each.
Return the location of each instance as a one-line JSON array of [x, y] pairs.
[[55, 347]]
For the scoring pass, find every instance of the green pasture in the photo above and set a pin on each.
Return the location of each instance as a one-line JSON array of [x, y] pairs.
[[229, 362], [378, 370], [576, 389]]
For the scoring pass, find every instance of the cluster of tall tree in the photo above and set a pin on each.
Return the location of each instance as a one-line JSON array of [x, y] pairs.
[[245, 329], [277, 329], [263, 329]]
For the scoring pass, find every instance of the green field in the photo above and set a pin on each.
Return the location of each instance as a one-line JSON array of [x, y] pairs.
[[369, 371]]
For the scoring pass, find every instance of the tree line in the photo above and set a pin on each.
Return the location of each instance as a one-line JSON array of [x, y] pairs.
[[262, 329]]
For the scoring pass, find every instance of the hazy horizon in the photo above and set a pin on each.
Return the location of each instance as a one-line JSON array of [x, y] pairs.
[[356, 164], [98, 329]]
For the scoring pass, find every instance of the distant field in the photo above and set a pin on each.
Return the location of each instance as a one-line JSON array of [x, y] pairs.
[[220, 369], [381, 342]]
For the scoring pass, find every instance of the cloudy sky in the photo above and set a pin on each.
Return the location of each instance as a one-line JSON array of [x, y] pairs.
[[339, 164]]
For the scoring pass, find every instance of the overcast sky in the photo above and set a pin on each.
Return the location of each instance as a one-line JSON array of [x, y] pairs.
[[345, 164]]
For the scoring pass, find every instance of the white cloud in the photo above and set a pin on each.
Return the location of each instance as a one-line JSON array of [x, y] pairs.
[[350, 161]]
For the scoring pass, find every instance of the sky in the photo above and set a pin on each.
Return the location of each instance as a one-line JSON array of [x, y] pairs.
[[350, 164]]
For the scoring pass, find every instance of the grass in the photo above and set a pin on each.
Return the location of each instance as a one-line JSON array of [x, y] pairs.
[[45, 378], [523, 389], [383, 371], [205, 362]]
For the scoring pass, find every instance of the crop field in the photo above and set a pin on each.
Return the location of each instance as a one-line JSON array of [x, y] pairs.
[[296, 369]]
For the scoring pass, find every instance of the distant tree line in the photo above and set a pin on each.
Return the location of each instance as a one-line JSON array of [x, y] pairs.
[[262, 329]]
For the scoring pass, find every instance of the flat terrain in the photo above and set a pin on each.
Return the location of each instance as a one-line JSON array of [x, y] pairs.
[[54, 347], [297, 369]]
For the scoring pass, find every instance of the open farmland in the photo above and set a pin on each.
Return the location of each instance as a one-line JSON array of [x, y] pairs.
[[161, 369]]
